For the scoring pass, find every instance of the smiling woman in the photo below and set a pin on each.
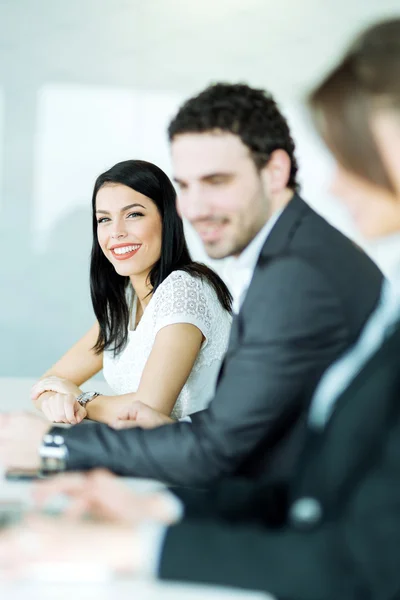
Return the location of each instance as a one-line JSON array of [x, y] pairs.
[[163, 321]]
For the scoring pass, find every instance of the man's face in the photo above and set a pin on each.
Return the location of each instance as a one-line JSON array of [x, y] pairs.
[[221, 192]]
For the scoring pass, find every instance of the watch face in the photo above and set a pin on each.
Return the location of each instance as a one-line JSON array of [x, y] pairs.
[[87, 396]]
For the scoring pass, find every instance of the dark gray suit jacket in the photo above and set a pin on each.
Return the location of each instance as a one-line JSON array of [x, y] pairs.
[[311, 293], [332, 531]]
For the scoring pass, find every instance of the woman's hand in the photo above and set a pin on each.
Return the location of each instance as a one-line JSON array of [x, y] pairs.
[[54, 384], [62, 408], [138, 414], [58, 402]]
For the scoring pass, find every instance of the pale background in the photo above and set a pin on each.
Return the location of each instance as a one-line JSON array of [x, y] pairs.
[[84, 84]]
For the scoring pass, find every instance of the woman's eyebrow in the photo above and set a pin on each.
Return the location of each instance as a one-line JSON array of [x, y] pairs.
[[107, 212]]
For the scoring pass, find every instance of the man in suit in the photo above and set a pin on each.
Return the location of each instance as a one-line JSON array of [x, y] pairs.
[[333, 530], [311, 292]]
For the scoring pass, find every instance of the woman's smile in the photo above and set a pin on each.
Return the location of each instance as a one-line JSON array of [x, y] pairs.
[[124, 251]]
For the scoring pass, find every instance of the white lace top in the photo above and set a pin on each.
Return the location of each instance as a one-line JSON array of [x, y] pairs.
[[181, 298]]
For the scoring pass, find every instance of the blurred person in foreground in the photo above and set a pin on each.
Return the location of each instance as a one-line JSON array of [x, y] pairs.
[[302, 290], [334, 530]]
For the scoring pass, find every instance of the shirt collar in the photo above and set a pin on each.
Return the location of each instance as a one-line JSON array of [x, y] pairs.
[[391, 288], [239, 271], [248, 258], [395, 280]]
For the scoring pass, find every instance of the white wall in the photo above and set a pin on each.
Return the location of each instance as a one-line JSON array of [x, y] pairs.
[[88, 83]]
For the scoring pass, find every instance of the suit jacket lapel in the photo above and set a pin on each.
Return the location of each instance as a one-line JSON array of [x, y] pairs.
[[356, 428], [284, 229], [275, 244], [371, 366]]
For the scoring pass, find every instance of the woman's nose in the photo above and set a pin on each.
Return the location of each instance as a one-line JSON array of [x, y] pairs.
[[118, 230], [118, 235]]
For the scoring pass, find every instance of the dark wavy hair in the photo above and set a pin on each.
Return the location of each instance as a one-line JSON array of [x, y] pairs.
[[367, 77], [107, 288], [252, 114]]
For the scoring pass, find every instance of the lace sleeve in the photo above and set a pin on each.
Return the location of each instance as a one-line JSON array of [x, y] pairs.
[[181, 298]]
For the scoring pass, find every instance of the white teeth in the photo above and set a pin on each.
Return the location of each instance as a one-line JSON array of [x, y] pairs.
[[126, 249]]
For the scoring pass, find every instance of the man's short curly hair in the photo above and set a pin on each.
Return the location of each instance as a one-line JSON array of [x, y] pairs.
[[249, 113]]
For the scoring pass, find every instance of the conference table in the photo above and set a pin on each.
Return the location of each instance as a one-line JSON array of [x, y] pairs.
[[50, 584]]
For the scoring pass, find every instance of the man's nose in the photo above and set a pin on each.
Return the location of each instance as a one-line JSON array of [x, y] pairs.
[[192, 205]]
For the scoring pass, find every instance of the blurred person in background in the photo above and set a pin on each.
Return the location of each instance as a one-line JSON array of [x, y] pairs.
[[163, 321], [334, 530]]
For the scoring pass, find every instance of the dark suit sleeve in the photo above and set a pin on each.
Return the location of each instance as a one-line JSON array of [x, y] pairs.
[[290, 328]]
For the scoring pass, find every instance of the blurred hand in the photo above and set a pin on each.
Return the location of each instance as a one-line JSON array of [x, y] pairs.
[[102, 495], [21, 435], [138, 414], [54, 384], [63, 408], [58, 542]]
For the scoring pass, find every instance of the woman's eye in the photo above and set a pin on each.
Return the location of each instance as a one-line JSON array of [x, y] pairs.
[[135, 214], [102, 220]]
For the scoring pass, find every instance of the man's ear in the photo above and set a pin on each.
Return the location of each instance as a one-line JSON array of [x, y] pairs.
[[276, 173]]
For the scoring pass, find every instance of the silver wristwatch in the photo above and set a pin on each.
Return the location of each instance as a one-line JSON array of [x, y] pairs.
[[53, 453], [86, 397]]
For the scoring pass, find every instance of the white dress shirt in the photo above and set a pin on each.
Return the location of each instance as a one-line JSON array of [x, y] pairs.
[[238, 272]]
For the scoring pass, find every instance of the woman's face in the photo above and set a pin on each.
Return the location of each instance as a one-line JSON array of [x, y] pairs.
[[129, 229], [374, 210]]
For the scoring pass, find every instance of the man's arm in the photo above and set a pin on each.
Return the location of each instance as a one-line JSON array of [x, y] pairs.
[[290, 329], [236, 500]]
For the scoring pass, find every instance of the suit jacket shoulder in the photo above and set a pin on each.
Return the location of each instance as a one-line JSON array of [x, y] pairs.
[[302, 232]]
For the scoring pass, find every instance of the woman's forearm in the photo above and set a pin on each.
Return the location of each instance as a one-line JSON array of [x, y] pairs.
[[107, 408]]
